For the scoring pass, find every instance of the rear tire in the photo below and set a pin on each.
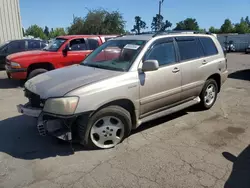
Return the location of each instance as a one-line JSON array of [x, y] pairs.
[[208, 95], [36, 72], [104, 129]]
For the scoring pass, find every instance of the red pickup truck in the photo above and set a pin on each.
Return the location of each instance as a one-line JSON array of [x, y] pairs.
[[62, 51]]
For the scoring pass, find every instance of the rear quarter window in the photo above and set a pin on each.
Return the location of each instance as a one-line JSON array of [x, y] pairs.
[[208, 46]]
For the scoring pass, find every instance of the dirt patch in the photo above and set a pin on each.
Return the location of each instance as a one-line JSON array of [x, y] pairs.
[[235, 130], [220, 138]]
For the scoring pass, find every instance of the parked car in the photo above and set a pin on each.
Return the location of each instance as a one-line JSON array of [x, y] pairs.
[[248, 49], [62, 51], [14, 46], [124, 83]]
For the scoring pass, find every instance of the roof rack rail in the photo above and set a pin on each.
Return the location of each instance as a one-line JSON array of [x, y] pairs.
[[179, 31]]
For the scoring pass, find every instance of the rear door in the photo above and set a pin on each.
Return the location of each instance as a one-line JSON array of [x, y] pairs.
[[191, 57]]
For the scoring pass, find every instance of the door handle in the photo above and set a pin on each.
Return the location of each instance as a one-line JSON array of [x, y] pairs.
[[175, 70], [204, 62]]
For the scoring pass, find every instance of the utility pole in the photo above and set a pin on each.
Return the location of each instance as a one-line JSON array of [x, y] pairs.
[[159, 23]]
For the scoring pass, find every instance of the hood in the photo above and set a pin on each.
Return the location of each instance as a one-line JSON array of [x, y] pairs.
[[58, 82], [34, 53]]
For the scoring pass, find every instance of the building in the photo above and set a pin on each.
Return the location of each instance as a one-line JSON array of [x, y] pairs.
[[10, 20], [241, 41]]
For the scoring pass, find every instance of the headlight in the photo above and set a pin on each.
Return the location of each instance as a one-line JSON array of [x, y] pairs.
[[15, 65], [61, 106]]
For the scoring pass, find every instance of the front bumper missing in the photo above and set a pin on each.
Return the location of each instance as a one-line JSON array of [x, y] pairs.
[[47, 124]]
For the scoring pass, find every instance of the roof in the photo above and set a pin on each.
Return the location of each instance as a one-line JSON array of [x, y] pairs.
[[82, 36]]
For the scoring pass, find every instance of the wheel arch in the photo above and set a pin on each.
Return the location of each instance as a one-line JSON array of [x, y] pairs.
[[127, 104], [45, 65], [217, 78]]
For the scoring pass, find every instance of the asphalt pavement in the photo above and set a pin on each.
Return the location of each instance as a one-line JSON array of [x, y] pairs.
[[189, 149]]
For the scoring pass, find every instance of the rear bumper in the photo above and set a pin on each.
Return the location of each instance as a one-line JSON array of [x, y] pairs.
[[19, 74], [47, 124]]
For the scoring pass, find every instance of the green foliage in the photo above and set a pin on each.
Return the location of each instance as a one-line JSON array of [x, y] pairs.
[[46, 31], [77, 27], [36, 31], [242, 27], [98, 21], [158, 24], [57, 32], [227, 27], [214, 30], [187, 24], [139, 25]]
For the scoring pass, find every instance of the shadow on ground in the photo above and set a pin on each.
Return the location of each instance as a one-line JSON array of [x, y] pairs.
[[6, 83], [240, 175], [241, 75], [20, 139]]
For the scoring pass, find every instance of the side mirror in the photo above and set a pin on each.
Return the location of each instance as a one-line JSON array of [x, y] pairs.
[[66, 49], [150, 65]]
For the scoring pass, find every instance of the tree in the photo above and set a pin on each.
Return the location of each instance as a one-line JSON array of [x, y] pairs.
[[98, 21], [247, 21], [158, 24], [227, 27], [36, 31], [214, 30], [77, 27], [242, 27], [139, 25], [46, 31], [187, 24], [57, 32]]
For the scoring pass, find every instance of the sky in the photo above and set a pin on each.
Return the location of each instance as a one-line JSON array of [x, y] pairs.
[[59, 13]]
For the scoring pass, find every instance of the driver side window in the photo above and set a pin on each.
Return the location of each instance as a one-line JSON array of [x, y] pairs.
[[78, 45], [164, 53]]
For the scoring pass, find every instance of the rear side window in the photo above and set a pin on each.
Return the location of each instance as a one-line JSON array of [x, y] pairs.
[[189, 48], [93, 44], [164, 53], [33, 44], [208, 46]]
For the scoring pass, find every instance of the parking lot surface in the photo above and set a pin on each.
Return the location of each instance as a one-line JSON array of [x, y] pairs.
[[193, 149]]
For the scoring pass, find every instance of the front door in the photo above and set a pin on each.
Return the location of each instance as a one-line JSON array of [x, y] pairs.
[[160, 89], [77, 53]]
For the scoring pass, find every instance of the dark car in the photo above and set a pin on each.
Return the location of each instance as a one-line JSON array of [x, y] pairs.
[[21, 45]]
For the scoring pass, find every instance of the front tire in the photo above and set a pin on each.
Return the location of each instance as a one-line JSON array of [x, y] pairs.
[[104, 129], [36, 72], [208, 95]]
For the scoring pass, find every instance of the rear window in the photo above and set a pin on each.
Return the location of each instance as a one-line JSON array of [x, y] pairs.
[[189, 48], [208, 46]]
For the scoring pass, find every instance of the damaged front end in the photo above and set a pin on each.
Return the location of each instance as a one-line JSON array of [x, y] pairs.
[[60, 126]]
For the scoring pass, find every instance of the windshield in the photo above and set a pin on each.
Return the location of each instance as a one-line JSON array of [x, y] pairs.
[[55, 44], [115, 54]]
